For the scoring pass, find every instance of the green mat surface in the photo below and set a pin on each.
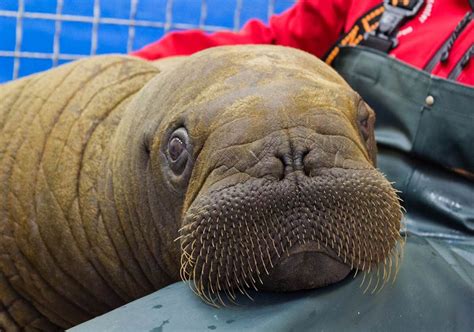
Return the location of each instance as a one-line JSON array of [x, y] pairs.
[[434, 291]]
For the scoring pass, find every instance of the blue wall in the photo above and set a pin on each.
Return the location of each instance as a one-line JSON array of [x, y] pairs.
[[75, 39]]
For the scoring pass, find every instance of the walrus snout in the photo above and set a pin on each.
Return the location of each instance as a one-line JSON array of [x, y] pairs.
[[297, 233]]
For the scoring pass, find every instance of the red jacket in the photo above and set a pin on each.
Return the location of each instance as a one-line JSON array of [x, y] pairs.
[[316, 25]]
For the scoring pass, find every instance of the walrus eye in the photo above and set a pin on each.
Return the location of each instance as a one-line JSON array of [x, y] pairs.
[[364, 128], [363, 121], [175, 148], [178, 150]]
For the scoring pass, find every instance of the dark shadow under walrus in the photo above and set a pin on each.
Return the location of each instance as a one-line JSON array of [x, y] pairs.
[[238, 167]]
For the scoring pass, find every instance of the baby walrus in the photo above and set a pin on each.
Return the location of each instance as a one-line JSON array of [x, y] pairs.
[[239, 167]]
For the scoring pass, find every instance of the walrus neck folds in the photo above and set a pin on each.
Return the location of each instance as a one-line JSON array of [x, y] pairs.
[[134, 203], [71, 244]]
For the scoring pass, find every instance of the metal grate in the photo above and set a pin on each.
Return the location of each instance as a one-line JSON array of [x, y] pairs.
[[241, 11]]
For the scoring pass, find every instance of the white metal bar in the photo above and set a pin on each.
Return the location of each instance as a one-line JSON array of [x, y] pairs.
[[131, 27], [237, 12], [203, 15], [168, 15], [95, 27], [271, 9], [38, 55], [18, 38], [109, 20], [57, 33]]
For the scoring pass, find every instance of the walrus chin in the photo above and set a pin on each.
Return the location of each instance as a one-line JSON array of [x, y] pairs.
[[289, 234]]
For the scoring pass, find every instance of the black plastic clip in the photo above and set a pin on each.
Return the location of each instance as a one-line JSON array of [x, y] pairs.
[[384, 37]]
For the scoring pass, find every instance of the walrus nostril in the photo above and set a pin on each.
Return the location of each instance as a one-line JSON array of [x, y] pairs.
[[300, 162], [293, 162], [306, 166], [287, 164]]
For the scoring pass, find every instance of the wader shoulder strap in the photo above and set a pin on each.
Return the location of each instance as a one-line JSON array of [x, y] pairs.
[[396, 13], [378, 27]]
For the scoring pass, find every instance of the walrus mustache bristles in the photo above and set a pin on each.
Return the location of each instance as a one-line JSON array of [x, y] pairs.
[[231, 240]]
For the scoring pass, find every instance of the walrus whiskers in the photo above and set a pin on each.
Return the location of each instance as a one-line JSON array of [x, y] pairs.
[[252, 274]]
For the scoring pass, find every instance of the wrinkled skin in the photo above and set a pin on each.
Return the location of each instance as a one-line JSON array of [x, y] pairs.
[[237, 167]]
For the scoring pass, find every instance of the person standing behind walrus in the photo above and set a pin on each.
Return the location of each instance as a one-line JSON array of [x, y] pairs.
[[411, 61]]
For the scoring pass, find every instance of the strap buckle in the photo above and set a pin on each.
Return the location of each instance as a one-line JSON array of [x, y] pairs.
[[384, 37]]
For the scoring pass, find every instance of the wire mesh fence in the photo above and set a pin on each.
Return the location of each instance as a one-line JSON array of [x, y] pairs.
[[39, 34]]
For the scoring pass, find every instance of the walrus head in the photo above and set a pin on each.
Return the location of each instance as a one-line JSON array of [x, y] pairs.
[[267, 157]]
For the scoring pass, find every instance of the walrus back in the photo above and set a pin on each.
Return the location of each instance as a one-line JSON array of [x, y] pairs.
[[54, 132]]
